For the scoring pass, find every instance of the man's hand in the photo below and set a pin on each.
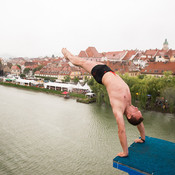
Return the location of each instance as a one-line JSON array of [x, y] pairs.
[[138, 141], [122, 154]]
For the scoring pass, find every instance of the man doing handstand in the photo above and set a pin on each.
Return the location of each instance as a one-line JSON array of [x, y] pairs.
[[119, 96]]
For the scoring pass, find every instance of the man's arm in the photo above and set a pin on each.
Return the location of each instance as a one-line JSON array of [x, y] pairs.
[[142, 133], [121, 133]]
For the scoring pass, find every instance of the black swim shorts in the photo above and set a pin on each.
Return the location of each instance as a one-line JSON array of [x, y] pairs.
[[98, 71]]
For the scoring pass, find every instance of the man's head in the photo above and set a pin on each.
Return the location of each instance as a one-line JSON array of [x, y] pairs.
[[133, 115]]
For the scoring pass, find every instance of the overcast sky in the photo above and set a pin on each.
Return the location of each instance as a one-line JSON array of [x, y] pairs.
[[32, 28]]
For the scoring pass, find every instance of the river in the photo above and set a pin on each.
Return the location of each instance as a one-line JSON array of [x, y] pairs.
[[43, 134]]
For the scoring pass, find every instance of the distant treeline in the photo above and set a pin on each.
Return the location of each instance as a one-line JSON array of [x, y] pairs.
[[148, 92]]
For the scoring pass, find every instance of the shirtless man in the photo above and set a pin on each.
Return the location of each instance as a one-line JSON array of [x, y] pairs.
[[119, 95]]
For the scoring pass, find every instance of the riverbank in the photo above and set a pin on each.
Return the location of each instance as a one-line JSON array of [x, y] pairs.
[[79, 97]]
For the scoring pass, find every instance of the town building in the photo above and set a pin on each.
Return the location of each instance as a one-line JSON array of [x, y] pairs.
[[172, 55], [91, 54], [158, 68], [15, 70]]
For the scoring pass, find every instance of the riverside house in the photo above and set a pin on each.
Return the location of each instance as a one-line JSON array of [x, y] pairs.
[[15, 70]]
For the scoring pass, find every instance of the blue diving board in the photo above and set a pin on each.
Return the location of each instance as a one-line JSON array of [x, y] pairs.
[[155, 156]]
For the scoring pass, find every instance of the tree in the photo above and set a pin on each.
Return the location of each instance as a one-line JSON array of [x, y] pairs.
[[141, 76], [19, 66], [167, 73], [86, 79], [26, 71], [169, 94], [22, 75], [100, 91], [66, 78], [37, 68], [76, 80], [141, 88]]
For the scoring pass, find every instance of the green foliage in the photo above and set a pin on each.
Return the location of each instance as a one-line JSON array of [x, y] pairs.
[[66, 79], [141, 76], [86, 80], [141, 87], [37, 68], [52, 79], [167, 73], [22, 75], [76, 80], [77, 95], [26, 71], [86, 100], [19, 66], [100, 91], [47, 78], [91, 82], [169, 94]]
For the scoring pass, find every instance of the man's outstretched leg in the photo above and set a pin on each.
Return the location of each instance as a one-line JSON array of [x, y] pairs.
[[77, 61]]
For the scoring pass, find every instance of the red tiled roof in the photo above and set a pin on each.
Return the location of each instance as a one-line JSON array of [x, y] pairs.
[[129, 54], [83, 54], [138, 55], [32, 66], [144, 58], [15, 68], [159, 68], [171, 52], [92, 52], [162, 53], [30, 63], [75, 68], [118, 67], [37, 72], [50, 71], [44, 63], [150, 52], [116, 56]]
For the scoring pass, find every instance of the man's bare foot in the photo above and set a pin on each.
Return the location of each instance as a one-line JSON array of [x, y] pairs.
[[122, 154], [66, 53], [73, 59]]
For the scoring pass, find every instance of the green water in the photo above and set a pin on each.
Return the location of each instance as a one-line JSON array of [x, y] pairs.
[[43, 134]]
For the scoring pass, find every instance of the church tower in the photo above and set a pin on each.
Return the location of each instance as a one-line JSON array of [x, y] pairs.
[[165, 45]]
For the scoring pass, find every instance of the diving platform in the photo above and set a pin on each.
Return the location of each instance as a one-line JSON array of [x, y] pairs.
[[154, 156]]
